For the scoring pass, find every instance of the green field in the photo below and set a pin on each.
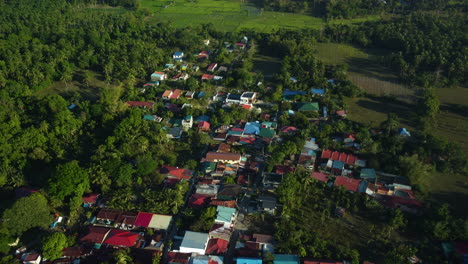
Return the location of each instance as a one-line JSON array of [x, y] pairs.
[[231, 15]]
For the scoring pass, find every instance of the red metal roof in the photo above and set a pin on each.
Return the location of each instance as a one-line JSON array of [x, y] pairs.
[[176, 94], [123, 238], [231, 204], [212, 66], [282, 169], [261, 238], [246, 106], [203, 124], [90, 198], [140, 104], [143, 219], [326, 154], [179, 173], [319, 176], [351, 160], [343, 157], [288, 129], [176, 257], [199, 201], [212, 156], [216, 246], [349, 183], [96, 235], [335, 155], [207, 77]]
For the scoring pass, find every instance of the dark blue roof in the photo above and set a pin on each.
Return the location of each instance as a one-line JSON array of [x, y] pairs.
[[289, 92], [202, 118], [317, 91]]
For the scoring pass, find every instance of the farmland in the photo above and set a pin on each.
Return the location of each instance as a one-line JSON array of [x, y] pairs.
[[231, 15]]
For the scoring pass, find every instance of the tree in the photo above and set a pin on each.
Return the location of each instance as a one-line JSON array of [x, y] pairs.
[[53, 244], [26, 213], [416, 171], [122, 256], [68, 178]]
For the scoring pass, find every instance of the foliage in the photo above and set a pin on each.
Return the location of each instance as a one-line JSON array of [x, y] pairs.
[[26, 213], [53, 244], [67, 179], [205, 221]]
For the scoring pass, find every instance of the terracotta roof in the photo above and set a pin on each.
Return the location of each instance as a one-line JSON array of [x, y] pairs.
[[216, 246], [176, 94], [260, 238], [179, 173], [108, 214], [319, 176], [90, 198], [143, 219], [96, 235], [140, 104], [203, 124], [207, 77], [31, 257], [123, 238], [167, 93], [212, 156], [349, 183], [288, 129], [231, 203]]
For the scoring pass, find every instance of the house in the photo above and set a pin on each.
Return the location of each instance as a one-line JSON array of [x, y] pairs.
[[203, 55], [108, 216], [183, 67], [183, 77], [178, 56], [289, 95], [176, 172], [199, 201], [233, 98], [243, 260], [154, 118], [220, 136], [207, 77], [229, 192], [219, 97], [187, 122], [169, 66], [320, 176], [341, 113], [248, 97], [194, 242], [367, 173], [167, 94], [206, 42], [265, 242], [403, 132], [189, 95], [307, 107], [267, 204], [212, 67], [231, 158], [348, 183], [267, 124], [176, 94], [174, 132], [31, 258], [195, 68], [272, 180], [288, 130], [235, 131], [217, 246], [90, 200], [223, 69], [317, 91], [95, 235], [206, 259], [307, 159], [75, 252], [207, 189], [225, 216], [151, 84], [140, 104], [121, 238], [126, 220], [267, 133], [252, 128], [203, 126], [337, 167], [241, 45], [158, 76], [285, 259], [177, 257]]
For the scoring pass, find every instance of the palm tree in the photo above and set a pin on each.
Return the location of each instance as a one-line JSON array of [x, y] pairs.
[[391, 124]]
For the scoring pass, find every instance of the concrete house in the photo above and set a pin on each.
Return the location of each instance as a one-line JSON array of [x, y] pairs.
[[178, 56], [194, 242], [187, 122], [158, 76]]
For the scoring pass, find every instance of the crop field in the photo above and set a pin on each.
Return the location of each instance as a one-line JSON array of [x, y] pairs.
[[231, 15]]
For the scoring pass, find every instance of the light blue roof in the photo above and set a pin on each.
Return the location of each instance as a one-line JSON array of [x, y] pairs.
[[195, 240], [404, 132], [252, 128], [317, 91], [72, 106], [206, 259], [338, 164], [285, 259], [362, 186], [249, 261], [201, 94], [224, 214]]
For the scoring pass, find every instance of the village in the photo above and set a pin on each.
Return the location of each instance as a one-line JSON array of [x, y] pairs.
[[237, 176]]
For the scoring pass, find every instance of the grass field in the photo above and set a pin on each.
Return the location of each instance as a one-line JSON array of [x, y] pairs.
[[231, 15]]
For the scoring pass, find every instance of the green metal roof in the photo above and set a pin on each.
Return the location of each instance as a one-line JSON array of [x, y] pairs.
[[266, 132], [307, 107]]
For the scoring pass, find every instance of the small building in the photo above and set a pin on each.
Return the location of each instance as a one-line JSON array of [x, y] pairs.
[[203, 126], [317, 91], [341, 113], [206, 42], [167, 94], [90, 200], [233, 98], [187, 122], [267, 204], [207, 77], [217, 246], [241, 45], [367, 173], [209, 259], [252, 128], [350, 184], [189, 95], [225, 216], [320, 176], [31, 258], [154, 118], [267, 133], [175, 94], [176, 172], [183, 67], [158, 76], [203, 55], [195, 68], [248, 97], [288, 129], [307, 107], [223, 69], [285, 259], [174, 132], [178, 56], [231, 158], [140, 104], [194, 242], [242, 260], [212, 67], [403, 132]]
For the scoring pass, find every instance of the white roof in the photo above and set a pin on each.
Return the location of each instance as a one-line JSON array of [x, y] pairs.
[[160, 221], [195, 240]]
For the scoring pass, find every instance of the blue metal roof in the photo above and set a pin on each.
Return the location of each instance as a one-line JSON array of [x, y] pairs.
[[249, 261], [252, 128], [285, 259], [317, 91], [338, 164], [289, 92]]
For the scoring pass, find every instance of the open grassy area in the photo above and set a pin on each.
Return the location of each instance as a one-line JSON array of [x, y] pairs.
[[232, 15], [365, 69], [268, 66]]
